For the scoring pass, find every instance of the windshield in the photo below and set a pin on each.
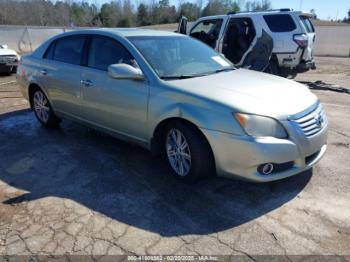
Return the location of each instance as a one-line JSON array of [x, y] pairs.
[[175, 57]]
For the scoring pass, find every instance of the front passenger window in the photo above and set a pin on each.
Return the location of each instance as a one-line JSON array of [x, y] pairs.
[[105, 51]]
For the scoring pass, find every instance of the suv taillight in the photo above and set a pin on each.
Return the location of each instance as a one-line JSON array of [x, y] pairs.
[[301, 40]]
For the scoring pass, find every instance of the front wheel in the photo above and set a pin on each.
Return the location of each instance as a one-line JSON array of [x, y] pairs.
[[187, 153], [43, 110]]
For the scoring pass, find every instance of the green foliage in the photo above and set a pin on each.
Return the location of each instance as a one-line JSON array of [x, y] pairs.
[[116, 13], [190, 10], [142, 15]]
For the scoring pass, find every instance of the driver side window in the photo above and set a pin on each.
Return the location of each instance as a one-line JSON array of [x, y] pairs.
[[105, 51]]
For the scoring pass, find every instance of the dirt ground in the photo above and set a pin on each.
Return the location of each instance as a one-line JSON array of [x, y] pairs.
[[76, 191]]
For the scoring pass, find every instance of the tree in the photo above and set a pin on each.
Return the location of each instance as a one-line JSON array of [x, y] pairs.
[[142, 17], [217, 7], [236, 7], [190, 10], [313, 12], [349, 16], [110, 14], [262, 5]]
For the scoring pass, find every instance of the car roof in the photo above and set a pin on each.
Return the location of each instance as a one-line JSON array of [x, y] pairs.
[[126, 32], [257, 13]]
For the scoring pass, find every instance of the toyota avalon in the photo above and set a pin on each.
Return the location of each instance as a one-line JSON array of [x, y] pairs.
[[178, 98]]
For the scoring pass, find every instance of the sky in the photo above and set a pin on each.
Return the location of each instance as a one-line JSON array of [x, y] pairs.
[[325, 9]]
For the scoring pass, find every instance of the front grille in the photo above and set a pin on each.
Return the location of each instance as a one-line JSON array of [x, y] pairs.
[[311, 121], [8, 58]]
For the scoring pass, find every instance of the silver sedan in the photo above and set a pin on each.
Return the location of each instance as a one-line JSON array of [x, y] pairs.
[[178, 98]]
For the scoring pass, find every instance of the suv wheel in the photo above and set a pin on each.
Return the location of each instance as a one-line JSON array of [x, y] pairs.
[[187, 153], [272, 68], [43, 110]]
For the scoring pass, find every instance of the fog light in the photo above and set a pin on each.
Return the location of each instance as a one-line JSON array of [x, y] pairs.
[[265, 169]]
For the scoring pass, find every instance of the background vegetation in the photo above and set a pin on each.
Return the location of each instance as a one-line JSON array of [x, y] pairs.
[[118, 13]]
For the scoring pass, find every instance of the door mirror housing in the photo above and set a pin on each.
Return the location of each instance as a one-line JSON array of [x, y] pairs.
[[125, 71]]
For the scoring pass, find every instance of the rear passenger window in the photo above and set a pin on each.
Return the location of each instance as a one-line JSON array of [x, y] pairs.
[[69, 49], [105, 51], [49, 51], [280, 23]]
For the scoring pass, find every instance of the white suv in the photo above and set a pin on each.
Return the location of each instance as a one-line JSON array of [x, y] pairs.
[[276, 41], [8, 60]]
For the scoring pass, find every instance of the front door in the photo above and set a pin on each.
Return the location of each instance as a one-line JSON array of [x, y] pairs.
[[117, 105]]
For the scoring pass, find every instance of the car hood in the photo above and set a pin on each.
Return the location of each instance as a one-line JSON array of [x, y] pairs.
[[249, 91], [6, 51]]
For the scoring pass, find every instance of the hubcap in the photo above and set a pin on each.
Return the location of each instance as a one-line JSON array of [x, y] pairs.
[[41, 106], [178, 152]]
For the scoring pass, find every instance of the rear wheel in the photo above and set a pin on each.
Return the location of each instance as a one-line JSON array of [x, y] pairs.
[[14, 70], [187, 153], [43, 110], [272, 68]]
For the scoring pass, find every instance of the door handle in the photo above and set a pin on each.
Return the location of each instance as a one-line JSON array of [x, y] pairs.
[[43, 72], [86, 82]]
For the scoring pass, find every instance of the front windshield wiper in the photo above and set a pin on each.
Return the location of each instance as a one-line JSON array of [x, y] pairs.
[[225, 69], [197, 75], [181, 76]]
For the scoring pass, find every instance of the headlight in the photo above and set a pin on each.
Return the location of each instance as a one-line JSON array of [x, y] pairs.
[[255, 125]]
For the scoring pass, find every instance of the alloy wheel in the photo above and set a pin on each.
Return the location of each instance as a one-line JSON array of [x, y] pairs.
[[178, 152], [41, 106]]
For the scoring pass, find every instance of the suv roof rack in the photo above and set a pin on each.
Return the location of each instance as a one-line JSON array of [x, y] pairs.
[[279, 10]]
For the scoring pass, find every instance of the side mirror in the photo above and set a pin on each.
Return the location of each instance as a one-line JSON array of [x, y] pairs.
[[125, 71], [4, 46]]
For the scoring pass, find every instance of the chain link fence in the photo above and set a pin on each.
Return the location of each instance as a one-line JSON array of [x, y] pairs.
[[330, 40]]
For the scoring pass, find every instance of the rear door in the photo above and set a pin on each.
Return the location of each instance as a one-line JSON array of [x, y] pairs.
[[60, 73], [311, 35], [246, 44]]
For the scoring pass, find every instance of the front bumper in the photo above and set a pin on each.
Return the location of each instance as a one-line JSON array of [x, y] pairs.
[[240, 156]]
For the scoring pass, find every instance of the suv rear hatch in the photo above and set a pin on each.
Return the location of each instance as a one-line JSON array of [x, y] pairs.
[[309, 35]]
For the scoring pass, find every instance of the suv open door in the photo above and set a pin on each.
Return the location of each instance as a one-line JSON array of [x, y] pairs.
[[182, 27], [237, 38], [246, 45]]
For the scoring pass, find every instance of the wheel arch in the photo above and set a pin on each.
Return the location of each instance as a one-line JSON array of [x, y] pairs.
[[31, 88], [159, 132]]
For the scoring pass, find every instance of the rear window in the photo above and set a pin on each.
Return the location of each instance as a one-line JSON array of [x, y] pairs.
[[69, 49], [280, 23], [307, 23]]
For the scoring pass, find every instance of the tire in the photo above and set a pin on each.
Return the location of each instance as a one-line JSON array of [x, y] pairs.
[[196, 159], [288, 73], [272, 68], [14, 70], [6, 70], [43, 110]]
